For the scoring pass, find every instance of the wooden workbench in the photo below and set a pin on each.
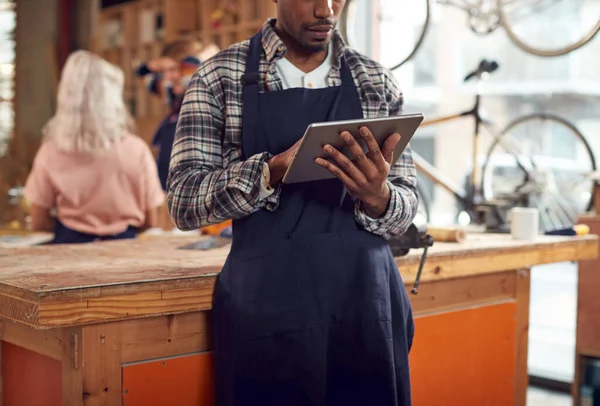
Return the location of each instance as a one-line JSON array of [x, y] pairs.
[[129, 323], [587, 344]]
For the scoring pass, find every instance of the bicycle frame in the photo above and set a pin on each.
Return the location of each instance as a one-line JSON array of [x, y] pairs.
[[439, 178], [473, 195]]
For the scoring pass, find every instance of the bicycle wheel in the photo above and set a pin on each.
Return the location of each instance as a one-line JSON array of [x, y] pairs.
[[550, 27], [394, 15], [560, 159], [424, 205]]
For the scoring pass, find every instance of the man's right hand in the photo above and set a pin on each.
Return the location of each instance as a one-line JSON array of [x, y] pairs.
[[279, 164]]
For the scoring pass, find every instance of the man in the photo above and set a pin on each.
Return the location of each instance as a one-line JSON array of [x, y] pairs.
[[309, 308], [168, 76]]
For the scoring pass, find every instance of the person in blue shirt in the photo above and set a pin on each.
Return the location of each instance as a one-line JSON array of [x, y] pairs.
[[168, 76]]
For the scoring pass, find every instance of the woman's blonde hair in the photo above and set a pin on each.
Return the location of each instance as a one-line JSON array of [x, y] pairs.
[[90, 111]]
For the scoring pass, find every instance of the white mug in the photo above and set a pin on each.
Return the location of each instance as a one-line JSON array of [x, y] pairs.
[[524, 223]]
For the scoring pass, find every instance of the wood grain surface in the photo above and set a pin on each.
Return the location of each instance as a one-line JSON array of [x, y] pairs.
[[52, 286]]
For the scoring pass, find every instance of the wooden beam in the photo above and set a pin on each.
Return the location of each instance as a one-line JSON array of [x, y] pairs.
[[124, 307], [102, 365], [165, 336], [45, 342], [448, 295], [72, 367], [522, 339], [65, 25], [474, 261]]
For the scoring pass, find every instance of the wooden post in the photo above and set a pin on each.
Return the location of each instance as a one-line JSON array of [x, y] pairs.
[[587, 344], [65, 25], [522, 339], [597, 197]]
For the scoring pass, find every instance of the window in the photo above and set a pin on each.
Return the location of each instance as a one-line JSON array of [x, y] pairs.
[[7, 67], [568, 86]]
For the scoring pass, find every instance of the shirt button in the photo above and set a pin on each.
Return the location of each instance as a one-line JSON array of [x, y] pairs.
[[310, 84], [280, 48]]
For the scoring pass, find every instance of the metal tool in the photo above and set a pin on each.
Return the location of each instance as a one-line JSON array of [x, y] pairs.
[[416, 237]]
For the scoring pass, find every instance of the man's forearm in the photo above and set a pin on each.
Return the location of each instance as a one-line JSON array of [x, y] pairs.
[[197, 199]]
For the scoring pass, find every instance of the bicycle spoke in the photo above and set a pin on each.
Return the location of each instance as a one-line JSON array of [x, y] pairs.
[[511, 146], [546, 222], [553, 214], [564, 211], [558, 183]]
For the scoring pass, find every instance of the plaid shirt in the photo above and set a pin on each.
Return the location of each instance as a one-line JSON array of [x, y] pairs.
[[208, 181]]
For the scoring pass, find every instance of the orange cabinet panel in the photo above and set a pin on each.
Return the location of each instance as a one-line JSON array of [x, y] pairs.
[[465, 357], [182, 381], [29, 378]]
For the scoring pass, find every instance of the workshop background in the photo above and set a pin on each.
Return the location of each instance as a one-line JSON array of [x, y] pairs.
[[540, 71]]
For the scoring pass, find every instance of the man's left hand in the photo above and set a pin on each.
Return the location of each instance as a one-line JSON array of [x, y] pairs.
[[365, 177]]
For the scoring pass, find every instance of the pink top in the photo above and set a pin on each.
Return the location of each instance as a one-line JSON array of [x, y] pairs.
[[97, 194]]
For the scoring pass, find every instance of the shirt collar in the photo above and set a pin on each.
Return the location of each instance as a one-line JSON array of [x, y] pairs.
[[275, 48]]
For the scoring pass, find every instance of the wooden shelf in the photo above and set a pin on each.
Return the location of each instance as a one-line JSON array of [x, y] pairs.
[[589, 352], [132, 33]]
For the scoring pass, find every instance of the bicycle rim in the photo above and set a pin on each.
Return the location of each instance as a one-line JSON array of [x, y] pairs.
[[424, 207], [567, 127], [514, 38], [343, 28]]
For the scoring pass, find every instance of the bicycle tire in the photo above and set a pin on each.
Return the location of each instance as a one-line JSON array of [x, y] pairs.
[[545, 116], [541, 52], [343, 28], [424, 206]]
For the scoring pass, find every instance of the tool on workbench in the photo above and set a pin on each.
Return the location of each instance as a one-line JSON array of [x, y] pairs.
[[416, 237], [447, 234], [577, 229]]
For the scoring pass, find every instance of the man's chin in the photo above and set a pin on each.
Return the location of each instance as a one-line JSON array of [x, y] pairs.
[[316, 46]]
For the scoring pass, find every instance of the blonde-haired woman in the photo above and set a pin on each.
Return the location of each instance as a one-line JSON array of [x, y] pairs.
[[99, 177]]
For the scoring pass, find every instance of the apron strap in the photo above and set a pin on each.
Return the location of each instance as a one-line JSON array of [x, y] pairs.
[[350, 93], [345, 74], [250, 80]]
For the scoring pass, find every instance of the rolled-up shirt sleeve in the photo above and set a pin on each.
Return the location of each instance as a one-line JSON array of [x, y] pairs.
[[208, 181], [402, 181]]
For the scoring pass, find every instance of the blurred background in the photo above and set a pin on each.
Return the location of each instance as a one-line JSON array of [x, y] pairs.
[[458, 36], [533, 63]]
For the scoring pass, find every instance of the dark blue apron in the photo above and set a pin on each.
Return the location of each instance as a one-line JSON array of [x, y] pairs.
[[66, 235], [309, 309]]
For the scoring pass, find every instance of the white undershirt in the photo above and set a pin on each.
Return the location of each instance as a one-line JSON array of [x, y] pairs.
[[292, 77]]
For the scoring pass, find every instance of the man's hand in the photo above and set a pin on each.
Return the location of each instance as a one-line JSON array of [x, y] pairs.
[[279, 164], [365, 177]]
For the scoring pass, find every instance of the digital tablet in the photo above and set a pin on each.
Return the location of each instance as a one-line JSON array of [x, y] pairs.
[[303, 167]]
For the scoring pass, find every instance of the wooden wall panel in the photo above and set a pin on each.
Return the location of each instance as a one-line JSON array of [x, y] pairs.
[[130, 33]]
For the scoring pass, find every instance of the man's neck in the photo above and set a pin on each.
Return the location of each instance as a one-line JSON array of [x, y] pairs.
[[303, 59]]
